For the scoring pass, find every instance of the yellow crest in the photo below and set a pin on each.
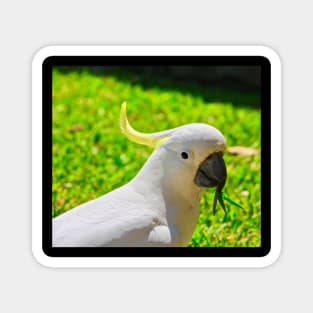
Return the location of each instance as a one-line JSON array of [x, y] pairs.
[[152, 140]]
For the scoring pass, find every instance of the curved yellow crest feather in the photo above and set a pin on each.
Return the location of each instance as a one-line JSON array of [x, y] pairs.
[[152, 140]]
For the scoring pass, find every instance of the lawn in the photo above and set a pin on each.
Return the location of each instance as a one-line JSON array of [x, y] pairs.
[[91, 157]]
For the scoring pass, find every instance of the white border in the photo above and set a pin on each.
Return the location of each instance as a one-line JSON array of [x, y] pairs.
[[153, 262]]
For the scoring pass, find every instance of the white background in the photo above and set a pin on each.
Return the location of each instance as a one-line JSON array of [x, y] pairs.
[[27, 26]]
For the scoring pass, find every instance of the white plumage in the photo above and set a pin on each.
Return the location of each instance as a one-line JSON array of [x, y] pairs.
[[158, 207]]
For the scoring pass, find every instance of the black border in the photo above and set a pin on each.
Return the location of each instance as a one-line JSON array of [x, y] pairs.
[[47, 66]]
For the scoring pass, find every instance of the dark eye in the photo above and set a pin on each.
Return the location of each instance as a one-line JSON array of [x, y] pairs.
[[184, 155]]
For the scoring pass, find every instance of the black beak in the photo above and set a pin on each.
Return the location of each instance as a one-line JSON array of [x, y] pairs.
[[212, 172]]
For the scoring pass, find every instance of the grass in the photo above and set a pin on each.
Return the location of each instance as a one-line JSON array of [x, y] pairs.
[[91, 157]]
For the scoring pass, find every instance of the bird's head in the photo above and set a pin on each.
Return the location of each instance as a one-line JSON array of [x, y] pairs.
[[191, 155]]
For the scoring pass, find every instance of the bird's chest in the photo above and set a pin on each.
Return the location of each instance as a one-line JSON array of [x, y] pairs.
[[184, 224]]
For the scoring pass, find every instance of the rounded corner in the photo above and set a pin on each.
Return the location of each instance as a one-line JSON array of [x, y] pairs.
[[270, 55], [271, 257], [42, 55], [42, 257]]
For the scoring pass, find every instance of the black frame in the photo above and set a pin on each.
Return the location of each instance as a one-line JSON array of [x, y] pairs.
[[47, 67]]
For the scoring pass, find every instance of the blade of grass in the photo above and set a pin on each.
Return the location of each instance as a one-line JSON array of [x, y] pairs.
[[215, 202], [221, 202], [231, 201]]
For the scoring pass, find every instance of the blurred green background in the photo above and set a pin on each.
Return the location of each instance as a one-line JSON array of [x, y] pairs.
[[91, 157]]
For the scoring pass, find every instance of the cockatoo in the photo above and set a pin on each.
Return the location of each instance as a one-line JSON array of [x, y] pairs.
[[160, 205]]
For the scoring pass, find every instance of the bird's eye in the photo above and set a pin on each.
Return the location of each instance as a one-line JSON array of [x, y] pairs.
[[184, 155]]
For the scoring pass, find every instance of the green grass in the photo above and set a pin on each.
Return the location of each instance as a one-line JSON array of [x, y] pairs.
[[91, 157]]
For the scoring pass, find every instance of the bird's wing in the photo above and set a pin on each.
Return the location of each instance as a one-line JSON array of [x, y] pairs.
[[160, 236], [120, 218]]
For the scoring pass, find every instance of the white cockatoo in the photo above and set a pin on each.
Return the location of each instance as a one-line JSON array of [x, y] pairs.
[[160, 205]]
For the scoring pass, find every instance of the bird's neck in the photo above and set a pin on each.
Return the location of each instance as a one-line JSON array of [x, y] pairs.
[[182, 210], [148, 182]]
